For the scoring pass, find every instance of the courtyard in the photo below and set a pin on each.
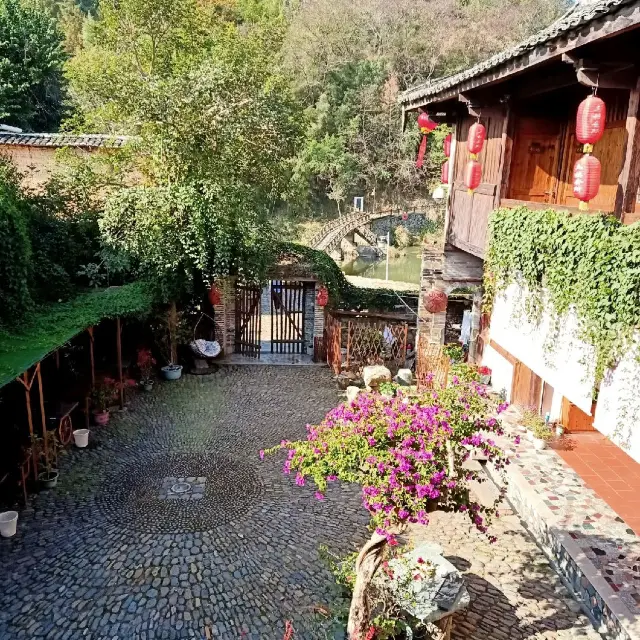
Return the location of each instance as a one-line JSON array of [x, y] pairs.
[[170, 526]]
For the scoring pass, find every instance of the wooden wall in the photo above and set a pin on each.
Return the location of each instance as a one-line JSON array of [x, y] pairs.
[[470, 212]]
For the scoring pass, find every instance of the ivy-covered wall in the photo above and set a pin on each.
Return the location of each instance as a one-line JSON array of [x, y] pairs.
[[588, 263]]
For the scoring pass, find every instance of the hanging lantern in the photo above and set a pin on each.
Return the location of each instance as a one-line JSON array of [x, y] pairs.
[[426, 125], [447, 146], [215, 296], [592, 114], [472, 175], [405, 216], [435, 301], [444, 173], [322, 297], [477, 136], [586, 180]]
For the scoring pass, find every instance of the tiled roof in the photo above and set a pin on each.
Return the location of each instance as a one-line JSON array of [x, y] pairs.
[[582, 14], [89, 140]]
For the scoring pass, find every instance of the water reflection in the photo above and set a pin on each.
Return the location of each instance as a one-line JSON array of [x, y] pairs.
[[405, 268]]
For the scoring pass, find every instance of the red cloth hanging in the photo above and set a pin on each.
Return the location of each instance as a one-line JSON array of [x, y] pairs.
[[444, 173], [322, 297], [447, 146], [421, 151], [215, 296]]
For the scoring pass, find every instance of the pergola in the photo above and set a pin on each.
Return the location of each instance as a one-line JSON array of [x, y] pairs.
[[22, 352]]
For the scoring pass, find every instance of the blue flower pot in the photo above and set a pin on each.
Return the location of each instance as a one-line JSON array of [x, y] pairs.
[[172, 372]]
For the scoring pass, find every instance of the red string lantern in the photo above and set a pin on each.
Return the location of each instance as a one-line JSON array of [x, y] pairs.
[[472, 175], [405, 215], [586, 180], [447, 146], [477, 136], [215, 296], [322, 297], [426, 125], [435, 301], [592, 114], [444, 174]]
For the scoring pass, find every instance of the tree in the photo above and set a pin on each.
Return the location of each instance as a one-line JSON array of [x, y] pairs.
[[407, 454], [215, 130], [32, 88]]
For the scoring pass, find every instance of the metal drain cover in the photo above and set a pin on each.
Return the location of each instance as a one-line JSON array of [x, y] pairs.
[[180, 487]]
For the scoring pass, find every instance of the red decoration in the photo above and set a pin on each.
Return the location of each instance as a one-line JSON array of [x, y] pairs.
[[405, 216], [590, 122], [472, 175], [444, 174], [586, 179], [322, 297], [425, 123], [477, 136], [447, 146], [421, 151], [215, 296], [435, 301]]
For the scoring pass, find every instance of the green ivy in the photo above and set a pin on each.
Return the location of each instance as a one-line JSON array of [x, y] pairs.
[[342, 294], [590, 263]]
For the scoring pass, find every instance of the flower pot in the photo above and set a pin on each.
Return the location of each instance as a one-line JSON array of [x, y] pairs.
[[49, 479], [101, 417], [559, 430], [81, 438], [147, 385], [485, 379], [8, 523], [172, 372], [539, 444]]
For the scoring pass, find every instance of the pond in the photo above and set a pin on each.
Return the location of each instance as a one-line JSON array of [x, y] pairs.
[[405, 268]]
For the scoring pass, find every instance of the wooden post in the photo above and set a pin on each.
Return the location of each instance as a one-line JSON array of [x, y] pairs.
[[172, 326], [45, 439], [505, 156], [92, 357], [27, 390], [629, 178], [119, 349]]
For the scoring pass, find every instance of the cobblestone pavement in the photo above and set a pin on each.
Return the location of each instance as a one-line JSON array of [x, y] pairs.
[[169, 525], [515, 594]]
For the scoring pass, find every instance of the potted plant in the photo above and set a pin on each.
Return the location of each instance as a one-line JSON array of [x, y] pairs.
[[102, 398], [541, 433], [48, 477], [485, 374], [559, 427], [146, 362], [8, 523], [454, 352], [170, 330], [81, 438]]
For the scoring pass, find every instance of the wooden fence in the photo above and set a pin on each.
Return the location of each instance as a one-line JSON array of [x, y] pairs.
[[432, 365]]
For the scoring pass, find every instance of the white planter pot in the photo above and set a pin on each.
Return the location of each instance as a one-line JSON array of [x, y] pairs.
[[539, 444], [530, 436], [559, 431], [8, 523], [81, 437]]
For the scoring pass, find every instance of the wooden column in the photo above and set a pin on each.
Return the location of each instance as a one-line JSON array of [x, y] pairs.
[[505, 155], [26, 383], [43, 419], [119, 349], [92, 359], [629, 178]]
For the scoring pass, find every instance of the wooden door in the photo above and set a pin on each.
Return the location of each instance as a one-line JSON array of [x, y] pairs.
[[575, 419], [287, 317], [248, 320], [534, 160], [526, 389]]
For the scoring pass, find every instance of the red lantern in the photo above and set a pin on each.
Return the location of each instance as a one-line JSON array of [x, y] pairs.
[[447, 146], [444, 174], [472, 175], [477, 135], [590, 122], [322, 297], [586, 180], [435, 301], [405, 215], [215, 297], [425, 123]]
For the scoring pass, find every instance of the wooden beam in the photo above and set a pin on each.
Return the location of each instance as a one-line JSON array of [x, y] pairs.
[[43, 419], [27, 391], [502, 351], [92, 359], [119, 350], [629, 178], [506, 148]]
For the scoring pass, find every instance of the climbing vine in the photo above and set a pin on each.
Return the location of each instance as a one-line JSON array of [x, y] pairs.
[[587, 263]]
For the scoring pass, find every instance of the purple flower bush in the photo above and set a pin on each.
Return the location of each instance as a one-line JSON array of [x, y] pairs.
[[407, 453]]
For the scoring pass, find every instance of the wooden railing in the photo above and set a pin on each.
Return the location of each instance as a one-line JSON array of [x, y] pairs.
[[432, 365]]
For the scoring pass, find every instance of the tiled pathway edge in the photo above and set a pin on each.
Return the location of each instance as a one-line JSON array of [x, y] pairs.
[[596, 553]]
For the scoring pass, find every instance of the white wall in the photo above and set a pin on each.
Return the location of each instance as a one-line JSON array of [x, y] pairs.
[[501, 371], [618, 409], [562, 360]]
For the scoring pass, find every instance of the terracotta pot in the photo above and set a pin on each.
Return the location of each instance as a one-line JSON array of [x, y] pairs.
[[101, 417]]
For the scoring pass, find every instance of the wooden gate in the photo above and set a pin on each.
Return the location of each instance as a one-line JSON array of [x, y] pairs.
[[287, 317], [248, 320]]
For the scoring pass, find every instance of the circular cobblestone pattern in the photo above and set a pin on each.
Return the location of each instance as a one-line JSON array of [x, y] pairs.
[[180, 493]]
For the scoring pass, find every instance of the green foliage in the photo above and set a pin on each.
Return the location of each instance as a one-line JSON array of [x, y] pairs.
[[587, 263], [454, 352], [464, 372], [32, 89], [56, 324]]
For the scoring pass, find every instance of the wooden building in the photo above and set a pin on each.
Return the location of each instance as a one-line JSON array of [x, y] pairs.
[[527, 98]]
